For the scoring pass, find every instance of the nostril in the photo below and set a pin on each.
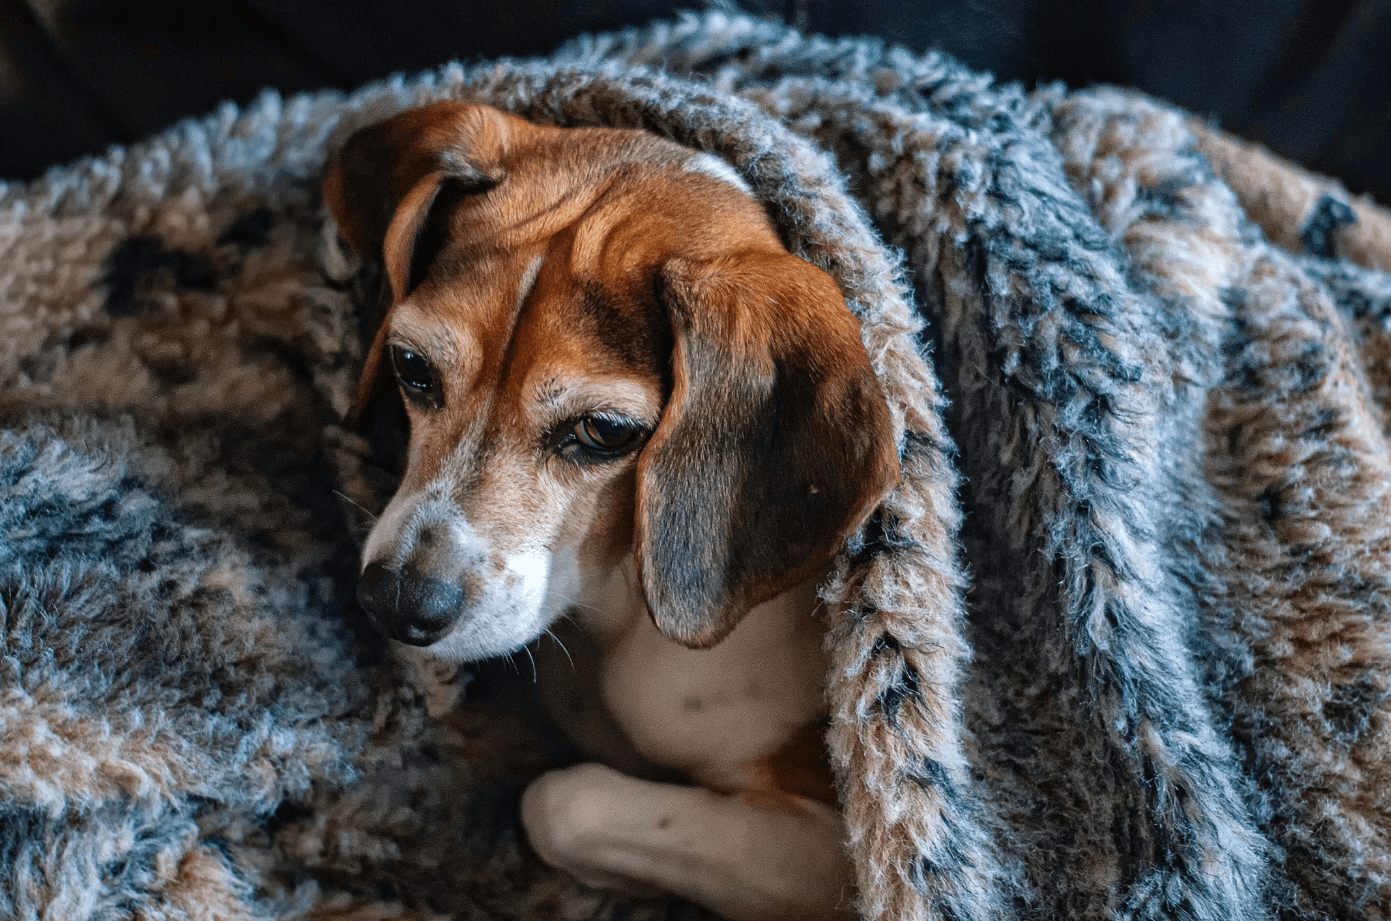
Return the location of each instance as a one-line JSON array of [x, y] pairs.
[[378, 589]]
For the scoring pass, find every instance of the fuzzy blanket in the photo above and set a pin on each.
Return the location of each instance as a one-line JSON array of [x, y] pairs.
[[1116, 648]]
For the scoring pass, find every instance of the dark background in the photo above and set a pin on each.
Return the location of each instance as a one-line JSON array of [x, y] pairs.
[[1309, 78]]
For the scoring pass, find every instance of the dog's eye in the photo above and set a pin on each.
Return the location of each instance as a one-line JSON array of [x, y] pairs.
[[417, 376], [601, 433]]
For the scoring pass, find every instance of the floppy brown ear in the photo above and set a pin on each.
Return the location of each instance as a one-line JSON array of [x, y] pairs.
[[383, 181], [775, 446]]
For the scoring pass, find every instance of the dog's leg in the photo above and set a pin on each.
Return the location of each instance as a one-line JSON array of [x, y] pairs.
[[747, 862]]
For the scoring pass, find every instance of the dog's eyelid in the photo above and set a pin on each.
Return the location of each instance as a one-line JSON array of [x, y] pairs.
[[398, 342], [559, 400], [610, 414]]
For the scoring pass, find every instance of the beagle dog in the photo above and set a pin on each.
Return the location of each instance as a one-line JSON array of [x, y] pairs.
[[639, 423]]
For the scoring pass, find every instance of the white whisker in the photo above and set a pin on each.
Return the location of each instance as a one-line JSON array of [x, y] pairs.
[[535, 677], [562, 647], [580, 606], [347, 498]]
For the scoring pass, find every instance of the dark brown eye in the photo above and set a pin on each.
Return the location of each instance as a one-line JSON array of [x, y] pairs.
[[600, 433], [419, 381]]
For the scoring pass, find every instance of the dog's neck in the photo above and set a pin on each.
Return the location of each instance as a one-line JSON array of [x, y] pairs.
[[708, 713], [611, 608]]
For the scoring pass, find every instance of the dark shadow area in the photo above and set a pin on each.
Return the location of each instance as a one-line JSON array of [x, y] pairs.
[[1309, 78]]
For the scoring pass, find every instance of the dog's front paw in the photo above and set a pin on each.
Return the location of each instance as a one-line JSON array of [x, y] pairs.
[[573, 819]]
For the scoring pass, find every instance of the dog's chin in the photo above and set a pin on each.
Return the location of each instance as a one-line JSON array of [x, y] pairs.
[[466, 643]]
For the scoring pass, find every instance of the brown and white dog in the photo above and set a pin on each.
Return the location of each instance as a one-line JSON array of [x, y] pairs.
[[634, 415]]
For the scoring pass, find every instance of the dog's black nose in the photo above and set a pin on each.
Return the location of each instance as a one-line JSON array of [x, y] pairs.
[[407, 605]]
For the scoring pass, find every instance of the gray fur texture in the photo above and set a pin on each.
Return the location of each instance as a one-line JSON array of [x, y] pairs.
[[1116, 647]]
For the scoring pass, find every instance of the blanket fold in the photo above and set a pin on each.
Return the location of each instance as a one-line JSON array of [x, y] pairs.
[[1115, 648]]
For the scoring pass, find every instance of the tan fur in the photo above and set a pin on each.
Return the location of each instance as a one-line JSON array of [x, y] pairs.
[[1280, 197], [547, 274]]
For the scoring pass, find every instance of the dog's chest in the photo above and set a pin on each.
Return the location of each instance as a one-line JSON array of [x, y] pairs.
[[713, 713]]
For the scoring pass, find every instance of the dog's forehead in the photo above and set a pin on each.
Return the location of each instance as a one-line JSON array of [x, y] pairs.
[[554, 292], [583, 248], [550, 275], [464, 310], [549, 179], [532, 332], [593, 180], [578, 339]]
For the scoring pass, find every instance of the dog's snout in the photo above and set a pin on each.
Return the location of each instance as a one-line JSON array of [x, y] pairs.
[[408, 605]]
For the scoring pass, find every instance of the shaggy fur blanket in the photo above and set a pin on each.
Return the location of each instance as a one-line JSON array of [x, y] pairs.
[[1117, 647]]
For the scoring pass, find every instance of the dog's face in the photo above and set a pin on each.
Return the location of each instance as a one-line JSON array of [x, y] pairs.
[[617, 379]]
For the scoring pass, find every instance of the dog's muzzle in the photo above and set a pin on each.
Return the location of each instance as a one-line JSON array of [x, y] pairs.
[[407, 605]]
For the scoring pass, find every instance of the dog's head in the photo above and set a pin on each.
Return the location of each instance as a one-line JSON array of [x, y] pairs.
[[607, 358]]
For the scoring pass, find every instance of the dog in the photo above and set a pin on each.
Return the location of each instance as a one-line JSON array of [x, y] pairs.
[[636, 417]]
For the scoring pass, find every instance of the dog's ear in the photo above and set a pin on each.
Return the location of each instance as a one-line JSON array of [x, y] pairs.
[[775, 445], [382, 183]]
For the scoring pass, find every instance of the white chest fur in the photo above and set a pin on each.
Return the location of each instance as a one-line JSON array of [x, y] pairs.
[[633, 698], [708, 712]]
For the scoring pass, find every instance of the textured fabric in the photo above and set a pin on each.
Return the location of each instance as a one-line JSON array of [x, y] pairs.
[[1116, 647]]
